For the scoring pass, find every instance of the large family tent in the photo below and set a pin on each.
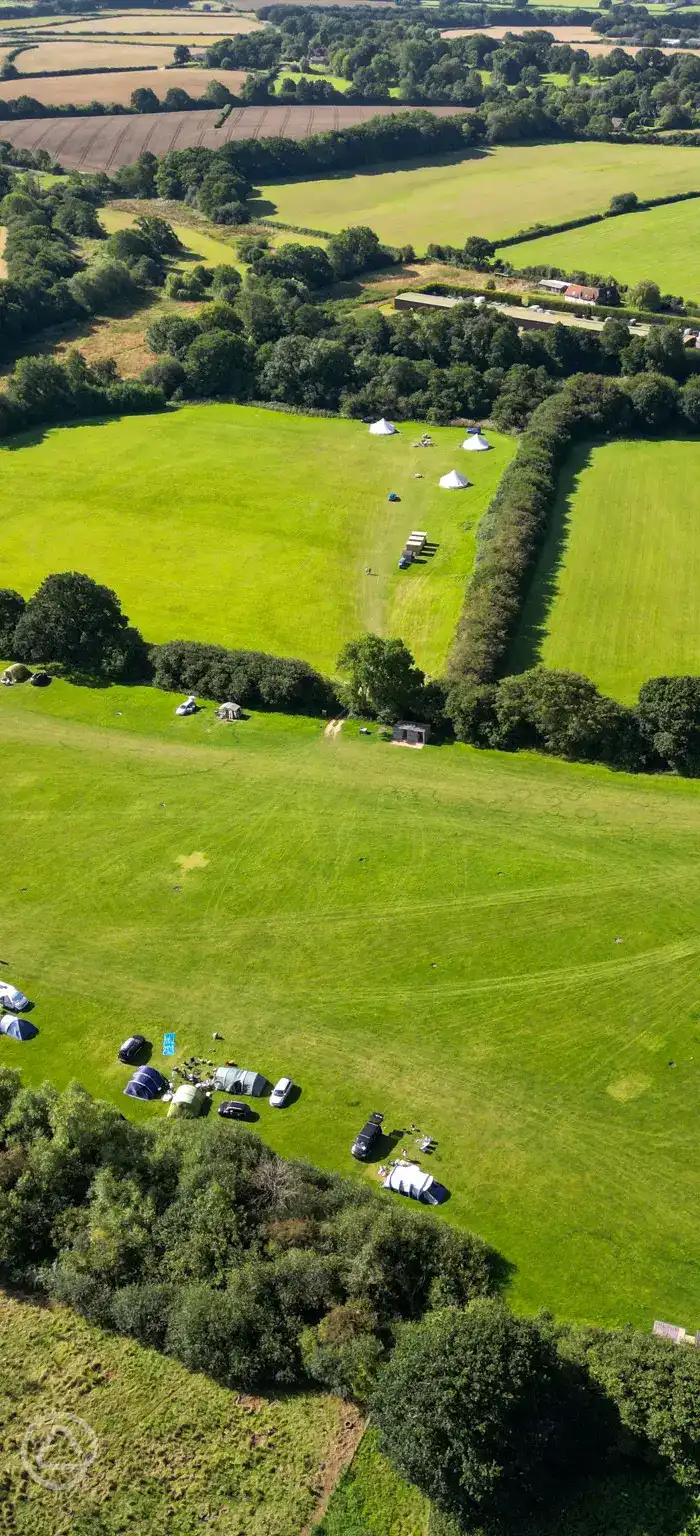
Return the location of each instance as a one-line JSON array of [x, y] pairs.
[[382, 428], [475, 443], [188, 1102], [238, 1080], [16, 673], [17, 1029], [146, 1083], [453, 481], [409, 1179]]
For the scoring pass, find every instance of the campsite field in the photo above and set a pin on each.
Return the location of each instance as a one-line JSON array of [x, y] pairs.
[[659, 243], [493, 193], [614, 594], [429, 933], [251, 527], [173, 1448]]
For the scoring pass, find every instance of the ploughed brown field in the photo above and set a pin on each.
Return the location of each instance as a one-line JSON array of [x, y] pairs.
[[80, 90], [102, 143], [84, 55]]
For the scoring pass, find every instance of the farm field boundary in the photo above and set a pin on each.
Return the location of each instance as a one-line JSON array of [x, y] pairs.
[[658, 243]]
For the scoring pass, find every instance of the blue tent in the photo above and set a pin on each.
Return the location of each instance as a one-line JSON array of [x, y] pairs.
[[17, 1029], [146, 1083]]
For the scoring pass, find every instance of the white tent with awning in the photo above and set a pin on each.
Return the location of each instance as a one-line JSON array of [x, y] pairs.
[[409, 1179], [453, 481], [476, 443], [382, 428]]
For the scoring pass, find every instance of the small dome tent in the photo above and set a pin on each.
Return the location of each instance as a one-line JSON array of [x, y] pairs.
[[146, 1083], [453, 481], [17, 1029], [382, 428], [476, 443]]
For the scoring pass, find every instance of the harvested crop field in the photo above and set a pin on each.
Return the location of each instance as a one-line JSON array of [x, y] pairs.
[[578, 37], [80, 90], [102, 143], [89, 55], [163, 22]]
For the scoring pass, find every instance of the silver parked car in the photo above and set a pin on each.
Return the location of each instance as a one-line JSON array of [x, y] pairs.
[[281, 1092]]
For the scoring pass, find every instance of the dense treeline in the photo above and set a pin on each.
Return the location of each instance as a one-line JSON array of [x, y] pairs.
[[505, 79], [196, 1239], [280, 341]]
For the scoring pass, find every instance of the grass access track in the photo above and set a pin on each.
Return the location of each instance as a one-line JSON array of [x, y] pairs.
[[251, 527], [658, 243], [614, 593], [501, 949], [175, 1453], [493, 192]]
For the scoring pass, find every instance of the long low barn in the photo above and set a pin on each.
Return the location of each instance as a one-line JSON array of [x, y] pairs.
[[530, 319], [104, 143]]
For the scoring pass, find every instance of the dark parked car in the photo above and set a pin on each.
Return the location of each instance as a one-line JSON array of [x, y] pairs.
[[232, 1109], [363, 1144], [132, 1048]]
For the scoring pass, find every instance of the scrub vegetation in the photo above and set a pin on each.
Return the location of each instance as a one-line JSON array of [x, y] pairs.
[[174, 1448]]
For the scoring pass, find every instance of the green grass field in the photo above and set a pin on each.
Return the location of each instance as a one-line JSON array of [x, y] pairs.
[[614, 595], [659, 243], [428, 933], [494, 193], [251, 527], [174, 1451]]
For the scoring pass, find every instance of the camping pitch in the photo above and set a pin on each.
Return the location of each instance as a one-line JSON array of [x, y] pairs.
[[476, 443], [453, 481], [382, 428]]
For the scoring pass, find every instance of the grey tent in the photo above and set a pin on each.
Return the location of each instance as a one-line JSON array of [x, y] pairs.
[[238, 1080], [17, 1029], [146, 1083]]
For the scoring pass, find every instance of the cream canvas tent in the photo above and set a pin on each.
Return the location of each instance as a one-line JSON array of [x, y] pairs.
[[453, 481], [188, 1102], [475, 443], [382, 428]]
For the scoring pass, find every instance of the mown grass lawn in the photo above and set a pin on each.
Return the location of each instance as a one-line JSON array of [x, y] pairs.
[[658, 243], [502, 950], [175, 1452], [251, 527], [493, 192], [614, 595]]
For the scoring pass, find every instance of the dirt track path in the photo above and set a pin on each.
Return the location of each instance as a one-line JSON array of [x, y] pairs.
[[3, 263]]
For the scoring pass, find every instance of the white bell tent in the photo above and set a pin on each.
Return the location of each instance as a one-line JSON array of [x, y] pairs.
[[382, 428], [453, 481]]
